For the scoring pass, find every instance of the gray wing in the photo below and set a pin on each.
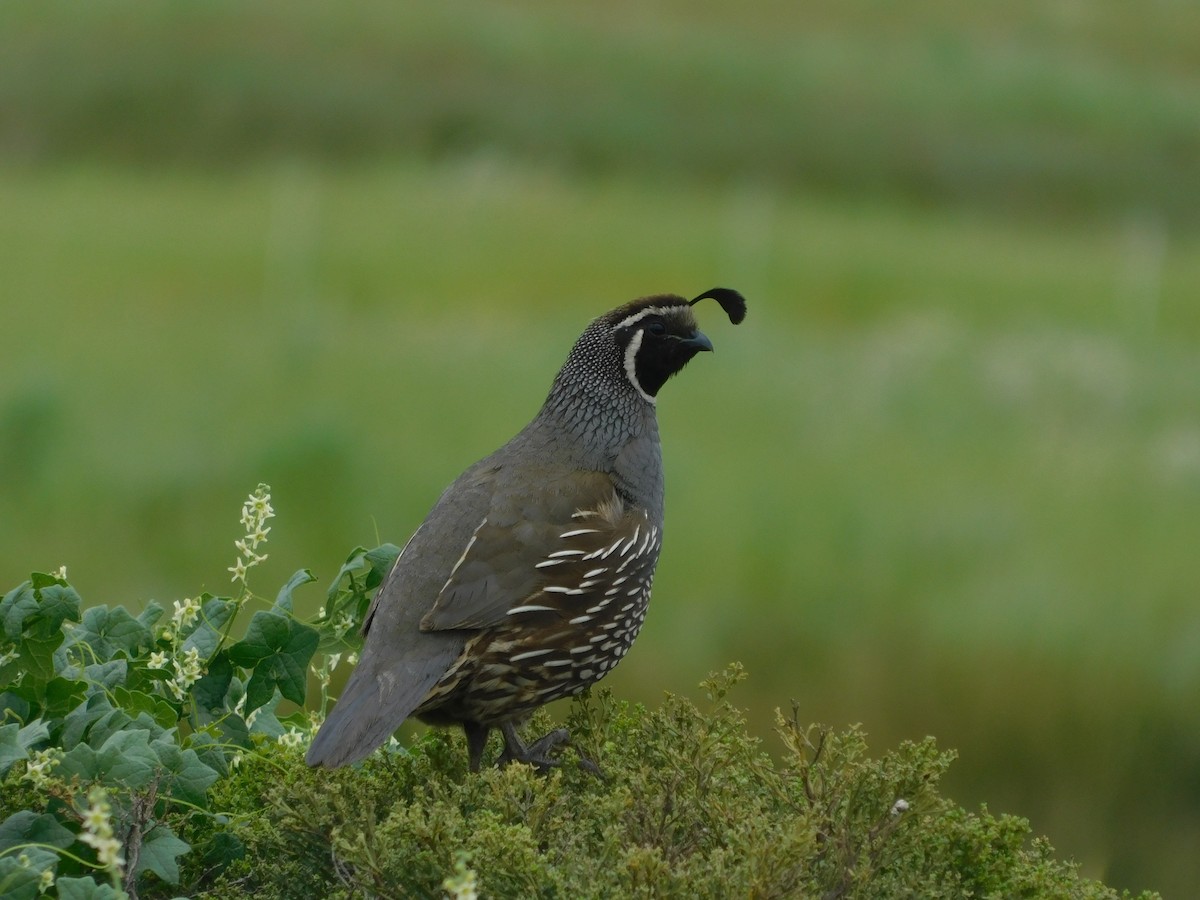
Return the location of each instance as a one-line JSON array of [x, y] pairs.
[[399, 662], [504, 562]]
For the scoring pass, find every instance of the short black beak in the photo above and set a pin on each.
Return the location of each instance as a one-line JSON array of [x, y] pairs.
[[698, 341]]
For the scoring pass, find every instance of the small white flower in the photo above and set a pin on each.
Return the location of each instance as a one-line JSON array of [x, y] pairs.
[[185, 613], [239, 570], [46, 881], [333, 660], [462, 884], [38, 766], [98, 832], [8, 656], [60, 573], [158, 660], [187, 672], [291, 738]]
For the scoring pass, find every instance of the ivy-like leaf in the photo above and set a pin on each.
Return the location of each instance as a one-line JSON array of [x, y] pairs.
[[266, 722], [210, 691], [35, 655], [110, 674], [85, 889], [149, 616], [17, 605], [284, 599], [153, 705], [192, 779], [15, 742], [27, 827], [61, 695], [56, 603], [211, 751], [107, 631], [126, 759], [278, 649], [206, 633], [80, 719], [373, 565], [18, 882], [160, 849], [14, 706]]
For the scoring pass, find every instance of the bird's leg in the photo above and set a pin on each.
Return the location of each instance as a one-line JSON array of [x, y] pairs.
[[477, 735], [537, 754]]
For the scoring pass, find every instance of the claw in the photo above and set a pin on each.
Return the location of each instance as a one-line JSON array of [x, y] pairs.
[[538, 753]]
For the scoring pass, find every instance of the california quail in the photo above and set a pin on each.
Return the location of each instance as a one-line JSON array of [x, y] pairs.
[[530, 577]]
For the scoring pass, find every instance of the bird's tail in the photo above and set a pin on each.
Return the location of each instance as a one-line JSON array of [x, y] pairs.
[[379, 696]]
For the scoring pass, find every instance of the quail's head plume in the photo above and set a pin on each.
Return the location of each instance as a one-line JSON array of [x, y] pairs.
[[530, 577]]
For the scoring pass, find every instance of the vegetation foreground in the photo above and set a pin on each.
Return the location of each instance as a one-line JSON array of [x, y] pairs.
[[158, 756]]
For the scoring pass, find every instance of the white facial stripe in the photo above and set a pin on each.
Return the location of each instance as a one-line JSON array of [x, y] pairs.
[[631, 358], [648, 311]]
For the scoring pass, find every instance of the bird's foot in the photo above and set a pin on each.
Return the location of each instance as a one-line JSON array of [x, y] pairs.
[[538, 753]]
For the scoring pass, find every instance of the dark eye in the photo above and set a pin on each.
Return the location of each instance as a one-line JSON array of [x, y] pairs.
[[656, 327]]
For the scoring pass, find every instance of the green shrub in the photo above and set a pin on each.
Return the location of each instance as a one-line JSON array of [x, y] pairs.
[[152, 759]]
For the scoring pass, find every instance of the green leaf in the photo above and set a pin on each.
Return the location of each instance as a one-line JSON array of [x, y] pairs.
[[381, 560], [11, 750], [77, 722], [107, 631], [109, 674], [125, 759], [153, 705], [109, 724], [149, 616], [17, 605], [128, 760], [265, 721], [28, 827], [15, 742], [160, 847], [372, 564], [13, 705], [187, 778], [278, 649], [214, 753], [18, 882], [61, 695], [215, 612], [57, 603], [36, 656], [213, 687], [85, 889], [284, 600]]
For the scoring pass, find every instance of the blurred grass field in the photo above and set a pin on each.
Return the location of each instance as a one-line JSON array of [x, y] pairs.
[[943, 480]]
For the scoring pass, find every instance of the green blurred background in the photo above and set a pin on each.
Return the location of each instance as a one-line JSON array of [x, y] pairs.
[[943, 481]]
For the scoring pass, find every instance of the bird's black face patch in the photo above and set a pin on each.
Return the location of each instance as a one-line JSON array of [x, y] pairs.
[[658, 341]]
